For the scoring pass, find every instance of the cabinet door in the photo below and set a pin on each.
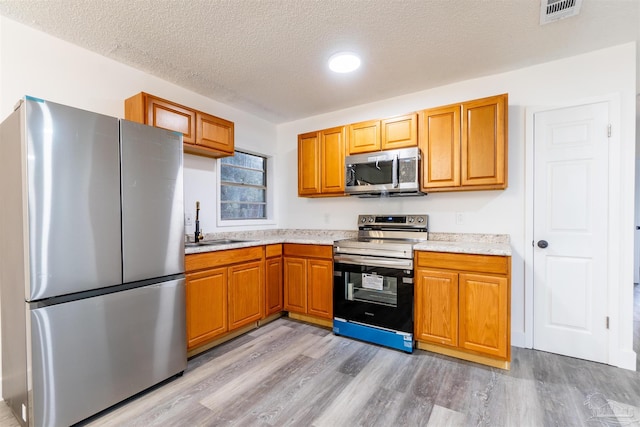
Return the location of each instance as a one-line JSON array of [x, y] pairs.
[[273, 285], [332, 160], [436, 307], [214, 133], [484, 314], [440, 146], [206, 294], [364, 137], [167, 115], [320, 288], [484, 142], [400, 132], [308, 164], [295, 285], [246, 290]]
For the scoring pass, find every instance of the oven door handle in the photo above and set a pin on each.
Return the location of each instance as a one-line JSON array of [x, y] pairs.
[[404, 264]]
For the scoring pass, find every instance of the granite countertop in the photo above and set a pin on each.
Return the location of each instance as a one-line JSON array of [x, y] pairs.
[[466, 243]]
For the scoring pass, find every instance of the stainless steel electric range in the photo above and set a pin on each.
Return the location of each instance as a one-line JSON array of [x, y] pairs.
[[373, 280]]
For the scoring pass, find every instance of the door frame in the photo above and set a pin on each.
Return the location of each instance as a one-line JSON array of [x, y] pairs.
[[620, 219]]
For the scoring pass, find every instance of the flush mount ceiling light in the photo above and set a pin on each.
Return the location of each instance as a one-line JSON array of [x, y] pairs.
[[344, 62]]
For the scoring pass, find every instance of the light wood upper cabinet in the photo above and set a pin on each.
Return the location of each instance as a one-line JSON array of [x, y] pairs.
[[308, 164], [440, 145], [332, 161], [462, 303], [321, 163], [364, 137], [203, 134], [167, 115], [464, 146], [484, 142], [214, 133], [387, 134], [400, 132]]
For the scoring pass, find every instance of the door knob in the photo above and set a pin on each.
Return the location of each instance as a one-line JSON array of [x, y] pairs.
[[543, 244]]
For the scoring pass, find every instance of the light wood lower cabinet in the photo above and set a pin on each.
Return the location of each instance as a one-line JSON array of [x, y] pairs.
[[273, 279], [206, 306], [436, 307], [245, 295], [484, 314], [308, 282], [320, 288], [295, 284], [462, 306], [225, 291]]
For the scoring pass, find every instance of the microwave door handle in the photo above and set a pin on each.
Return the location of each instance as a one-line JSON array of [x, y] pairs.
[[395, 170]]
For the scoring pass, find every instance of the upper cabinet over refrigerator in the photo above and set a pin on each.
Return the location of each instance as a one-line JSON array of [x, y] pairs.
[[73, 190]]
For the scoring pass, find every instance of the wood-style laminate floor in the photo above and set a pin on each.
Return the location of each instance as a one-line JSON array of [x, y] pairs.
[[292, 374]]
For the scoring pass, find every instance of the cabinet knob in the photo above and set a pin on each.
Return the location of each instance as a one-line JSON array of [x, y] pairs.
[[543, 244]]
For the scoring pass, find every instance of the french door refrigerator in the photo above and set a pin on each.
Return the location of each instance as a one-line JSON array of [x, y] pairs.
[[91, 261]]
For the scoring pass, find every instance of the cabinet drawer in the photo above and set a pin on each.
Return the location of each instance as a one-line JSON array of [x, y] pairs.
[[273, 250], [308, 251], [196, 262], [464, 262]]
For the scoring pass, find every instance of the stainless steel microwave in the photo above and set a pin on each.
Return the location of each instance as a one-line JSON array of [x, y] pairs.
[[391, 172]]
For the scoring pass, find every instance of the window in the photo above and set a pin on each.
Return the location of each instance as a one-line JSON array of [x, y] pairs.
[[243, 187]]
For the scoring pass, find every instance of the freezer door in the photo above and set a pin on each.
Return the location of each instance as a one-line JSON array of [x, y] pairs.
[[152, 202], [90, 354], [74, 199]]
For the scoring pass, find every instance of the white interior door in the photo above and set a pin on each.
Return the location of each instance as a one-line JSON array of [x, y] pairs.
[[570, 231]]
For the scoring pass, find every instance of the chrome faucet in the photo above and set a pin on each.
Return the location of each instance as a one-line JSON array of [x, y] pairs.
[[198, 233]]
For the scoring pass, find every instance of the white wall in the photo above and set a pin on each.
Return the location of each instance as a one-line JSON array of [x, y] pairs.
[[555, 83]]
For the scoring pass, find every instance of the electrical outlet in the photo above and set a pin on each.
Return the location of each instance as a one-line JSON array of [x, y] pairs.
[[459, 218], [188, 219]]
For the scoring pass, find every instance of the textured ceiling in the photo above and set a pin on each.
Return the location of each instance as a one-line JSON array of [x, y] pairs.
[[268, 57]]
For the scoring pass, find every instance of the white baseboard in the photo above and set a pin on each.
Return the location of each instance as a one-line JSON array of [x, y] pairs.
[[625, 359], [518, 339]]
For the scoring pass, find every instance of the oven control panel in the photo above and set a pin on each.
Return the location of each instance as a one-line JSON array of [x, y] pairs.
[[418, 221]]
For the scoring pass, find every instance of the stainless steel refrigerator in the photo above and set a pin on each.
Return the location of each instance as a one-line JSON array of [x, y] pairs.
[[91, 261]]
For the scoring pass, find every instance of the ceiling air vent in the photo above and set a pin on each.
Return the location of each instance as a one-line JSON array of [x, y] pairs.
[[553, 10]]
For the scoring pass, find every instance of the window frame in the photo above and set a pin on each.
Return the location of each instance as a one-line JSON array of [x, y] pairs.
[[269, 199]]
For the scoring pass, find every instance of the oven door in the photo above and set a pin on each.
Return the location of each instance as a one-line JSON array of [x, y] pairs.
[[374, 291]]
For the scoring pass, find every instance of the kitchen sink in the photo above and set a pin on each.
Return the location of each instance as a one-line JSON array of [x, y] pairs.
[[215, 242]]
